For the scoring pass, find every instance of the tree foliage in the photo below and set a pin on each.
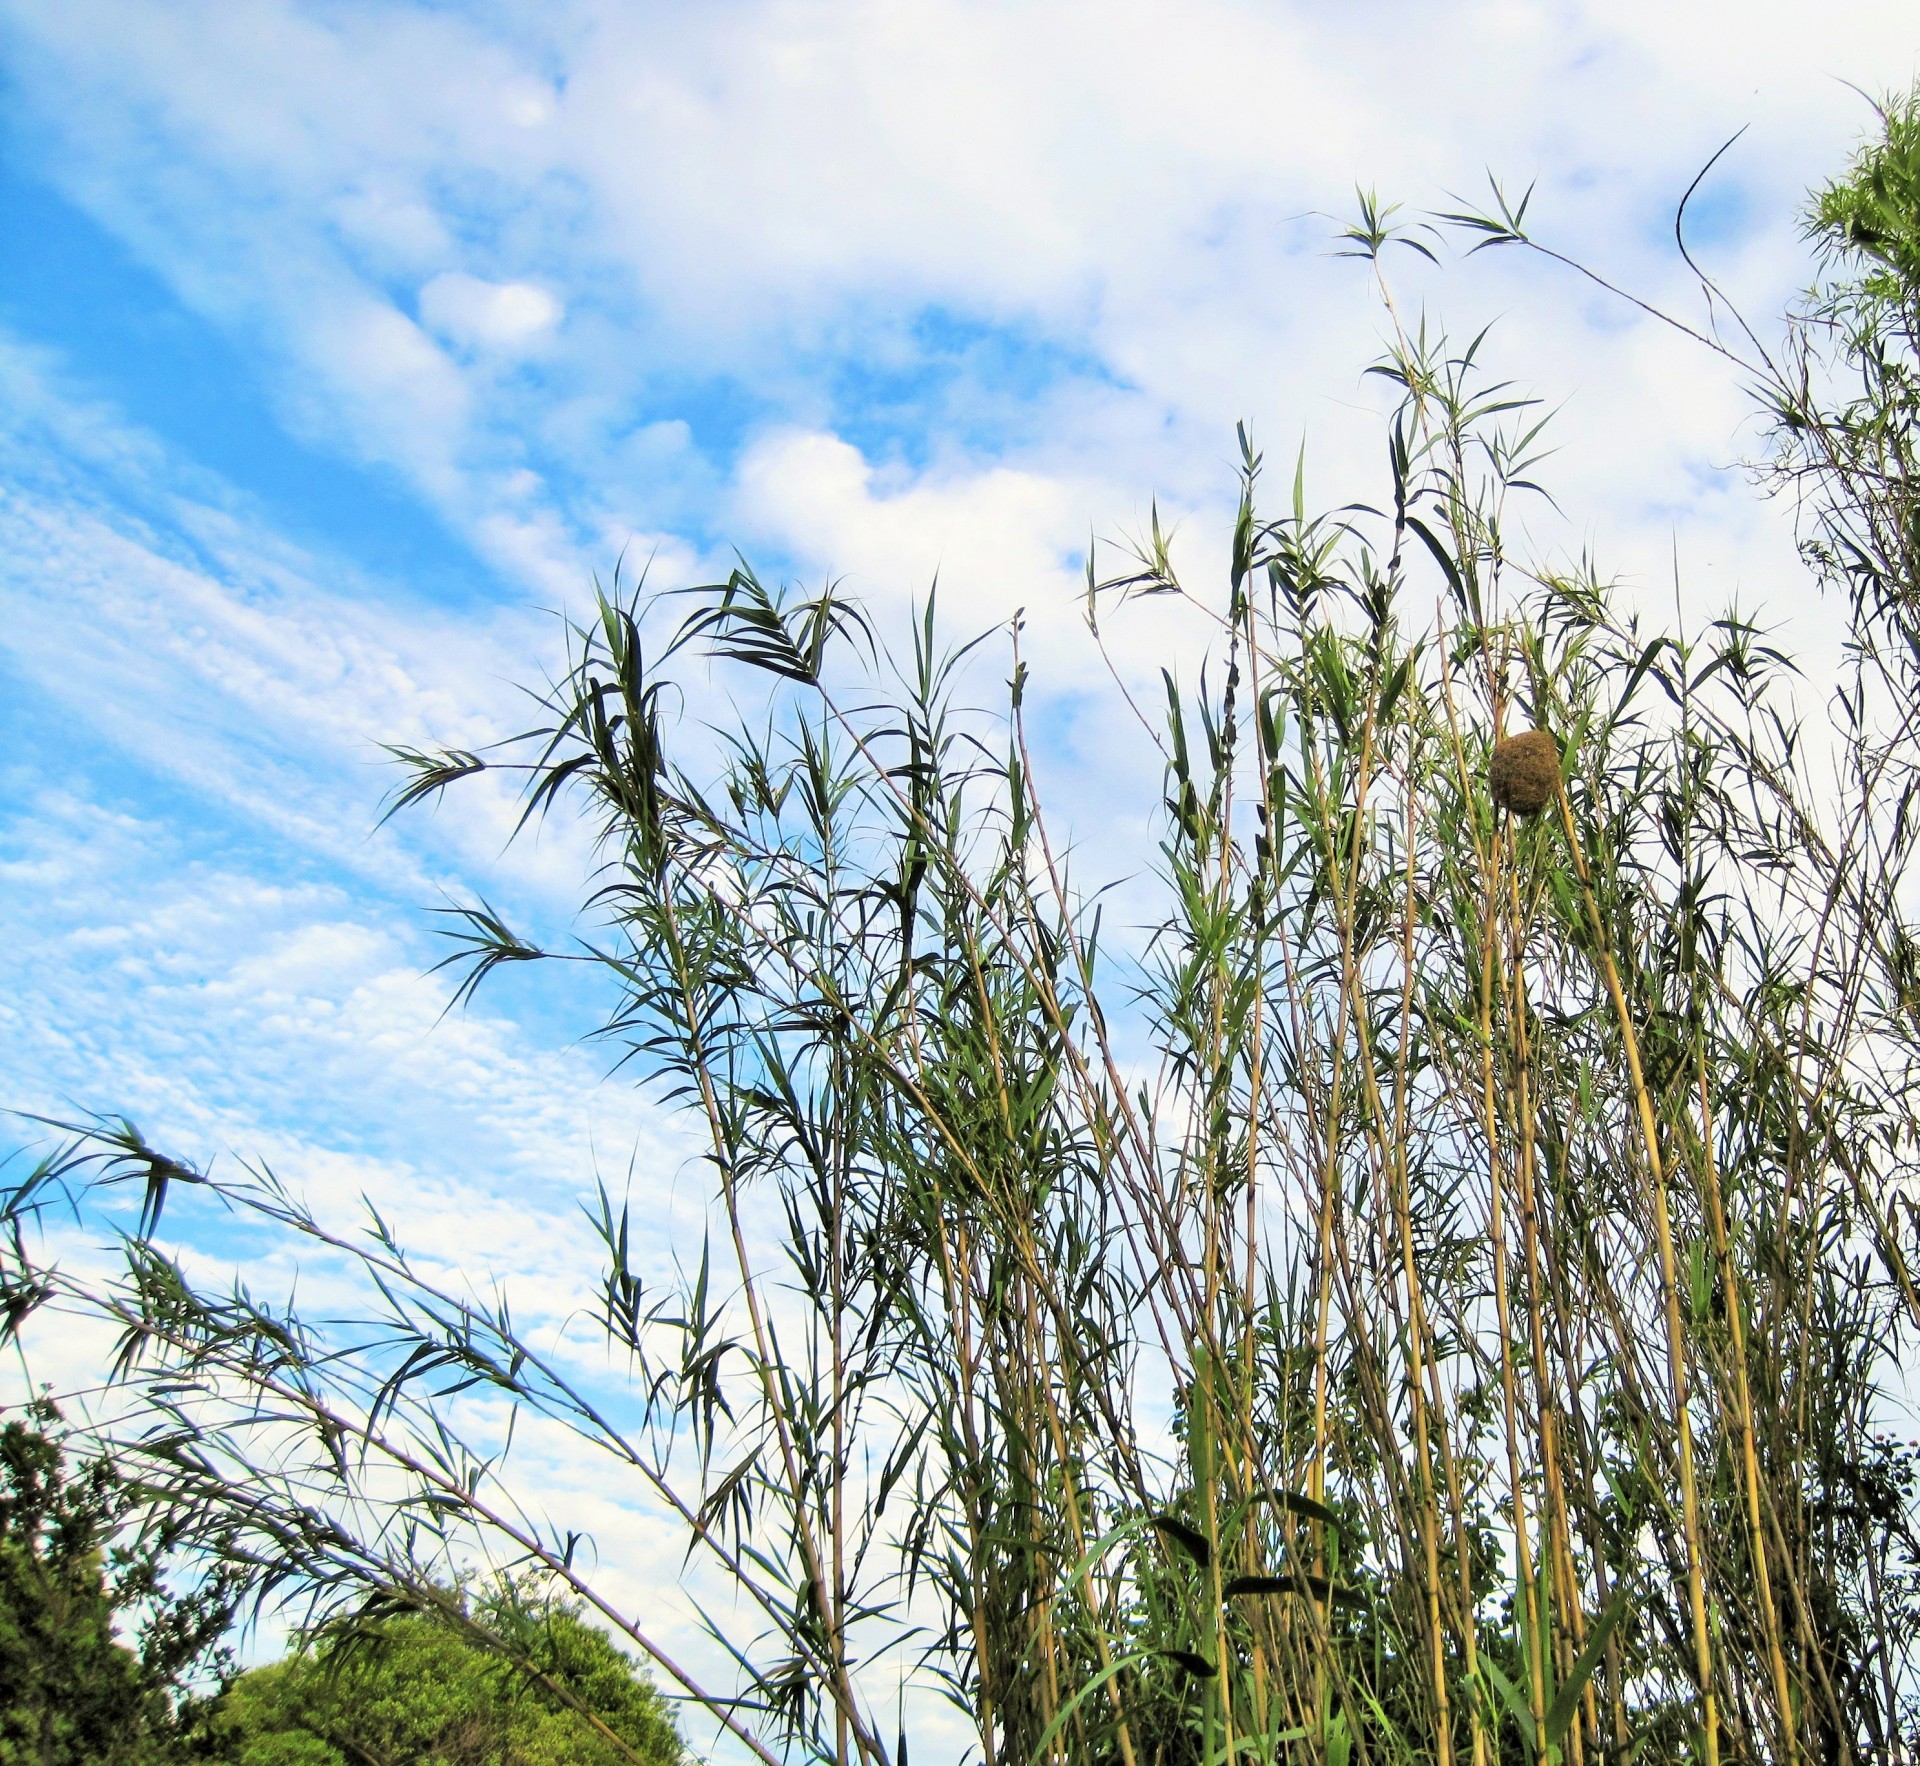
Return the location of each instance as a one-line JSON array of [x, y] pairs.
[[376, 1690], [75, 1565]]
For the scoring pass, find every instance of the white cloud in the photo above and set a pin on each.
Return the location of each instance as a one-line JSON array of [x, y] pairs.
[[762, 190], [507, 316], [998, 537]]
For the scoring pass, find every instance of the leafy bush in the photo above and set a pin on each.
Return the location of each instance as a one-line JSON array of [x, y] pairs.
[[415, 1685]]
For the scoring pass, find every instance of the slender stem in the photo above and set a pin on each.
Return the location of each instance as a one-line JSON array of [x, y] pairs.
[[1670, 1290]]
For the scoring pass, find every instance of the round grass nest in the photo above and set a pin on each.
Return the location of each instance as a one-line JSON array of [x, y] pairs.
[[1523, 773]]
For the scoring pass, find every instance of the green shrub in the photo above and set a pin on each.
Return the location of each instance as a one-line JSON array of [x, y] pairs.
[[76, 1568], [418, 1686]]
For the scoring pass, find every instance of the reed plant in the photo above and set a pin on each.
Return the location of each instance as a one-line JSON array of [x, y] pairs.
[[1471, 1332]]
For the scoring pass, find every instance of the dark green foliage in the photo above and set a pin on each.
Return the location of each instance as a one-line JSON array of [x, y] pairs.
[[74, 1564], [418, 1687], [1847, 397]]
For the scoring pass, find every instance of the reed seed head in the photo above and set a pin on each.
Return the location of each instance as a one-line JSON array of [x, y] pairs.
[[1524, 772]]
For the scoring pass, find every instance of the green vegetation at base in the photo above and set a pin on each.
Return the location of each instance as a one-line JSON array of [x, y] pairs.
[[413, 1686], [103, 1663]]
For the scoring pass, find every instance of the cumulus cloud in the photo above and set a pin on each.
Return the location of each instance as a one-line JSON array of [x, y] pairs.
[[506, 316], [1001, 537]]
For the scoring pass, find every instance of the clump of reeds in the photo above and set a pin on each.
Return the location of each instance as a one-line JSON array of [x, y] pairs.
[[1514, 1214]]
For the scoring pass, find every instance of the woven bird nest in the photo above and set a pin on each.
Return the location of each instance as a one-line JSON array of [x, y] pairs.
[[1524, 772]]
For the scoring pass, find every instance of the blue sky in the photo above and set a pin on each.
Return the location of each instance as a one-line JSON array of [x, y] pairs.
[[341, 343]]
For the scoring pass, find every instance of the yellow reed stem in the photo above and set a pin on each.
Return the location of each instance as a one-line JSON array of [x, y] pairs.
[[1496, 1227], [1743, 1397], [1670, 1287], [1558, 1543]]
